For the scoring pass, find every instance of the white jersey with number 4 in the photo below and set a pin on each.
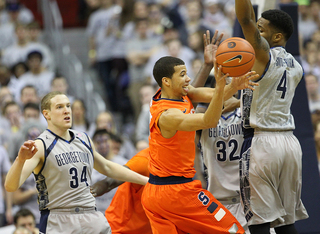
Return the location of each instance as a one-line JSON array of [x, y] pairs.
[[220, 148], [268, 106]]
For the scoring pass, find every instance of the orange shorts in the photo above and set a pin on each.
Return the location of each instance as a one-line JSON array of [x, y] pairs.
[[186, 208]]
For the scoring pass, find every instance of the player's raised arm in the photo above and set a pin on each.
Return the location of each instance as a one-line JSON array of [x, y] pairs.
[[209, 47], [28, 159], [252, 32]]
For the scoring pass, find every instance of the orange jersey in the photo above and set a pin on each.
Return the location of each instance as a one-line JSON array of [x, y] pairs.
[[125, 213], [173, 156]]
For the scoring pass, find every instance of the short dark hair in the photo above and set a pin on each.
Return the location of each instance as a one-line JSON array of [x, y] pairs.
[[35, 53], [112, 136], [32, 105], [280, 20], [164, 67], [22, 213]]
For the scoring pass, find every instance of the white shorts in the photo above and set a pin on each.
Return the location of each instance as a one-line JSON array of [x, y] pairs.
[[73, 221], [270, 179]]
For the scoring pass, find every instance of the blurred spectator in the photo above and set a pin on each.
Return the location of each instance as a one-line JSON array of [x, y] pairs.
[[215, 18], [38, 75], [312, 86], [306, 25], [28, 94], [31, 110], [142, 127], [103, 143], [174, 48], [195, 42], [5, 97], [105, 120], [18, 13], [17, 52], [13, 115], [25, 218], [19, 69], [139, 50], [157, 19], [34, 33], [60, 83], [5, 197], [79, 119]]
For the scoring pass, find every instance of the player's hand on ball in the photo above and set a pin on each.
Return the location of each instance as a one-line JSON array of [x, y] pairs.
[[245, 81], [27, 150]]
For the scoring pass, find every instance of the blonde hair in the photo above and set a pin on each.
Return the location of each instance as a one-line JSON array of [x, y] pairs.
[[46, 100]]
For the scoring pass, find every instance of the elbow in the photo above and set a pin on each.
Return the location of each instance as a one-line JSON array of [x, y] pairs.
[[9, 188]]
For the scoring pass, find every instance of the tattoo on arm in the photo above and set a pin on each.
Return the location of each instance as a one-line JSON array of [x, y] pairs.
[[260, 43]]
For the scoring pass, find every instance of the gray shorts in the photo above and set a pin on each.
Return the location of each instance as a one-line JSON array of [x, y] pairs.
[[73, 221], [270, 179]]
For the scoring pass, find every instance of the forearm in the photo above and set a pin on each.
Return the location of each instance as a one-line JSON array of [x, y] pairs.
[[244, 11], [229, 91], [122, 173], [202, 75], [212, 115], [13, 177]]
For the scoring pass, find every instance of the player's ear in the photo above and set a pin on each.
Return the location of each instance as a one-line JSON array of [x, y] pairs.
[[277, 37], [166, 81], [46, 114]]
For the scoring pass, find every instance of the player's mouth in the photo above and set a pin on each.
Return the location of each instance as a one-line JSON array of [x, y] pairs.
[[67, 118], [185, 88]]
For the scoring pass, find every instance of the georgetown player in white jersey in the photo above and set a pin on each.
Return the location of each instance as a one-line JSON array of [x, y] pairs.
[[62, 161], [220, 149], [271, 163]]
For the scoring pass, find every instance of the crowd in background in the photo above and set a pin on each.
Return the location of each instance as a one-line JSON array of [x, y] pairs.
[[125, 39]]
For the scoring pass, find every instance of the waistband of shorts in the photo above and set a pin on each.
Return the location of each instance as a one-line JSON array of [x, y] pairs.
[[74, 210], [229, 200], [168, 180]]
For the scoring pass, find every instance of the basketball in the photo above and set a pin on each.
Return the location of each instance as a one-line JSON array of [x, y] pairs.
[[236, 56]]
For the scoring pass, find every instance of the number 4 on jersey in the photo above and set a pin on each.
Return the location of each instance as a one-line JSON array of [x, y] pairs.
[[282, 86]]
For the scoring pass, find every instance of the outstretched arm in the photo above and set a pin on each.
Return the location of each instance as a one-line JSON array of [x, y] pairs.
[[246, 17]]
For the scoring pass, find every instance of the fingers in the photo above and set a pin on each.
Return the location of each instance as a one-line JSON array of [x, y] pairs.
[[214, 37], [219, 39]]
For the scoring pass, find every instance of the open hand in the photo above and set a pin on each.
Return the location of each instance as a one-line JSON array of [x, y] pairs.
[[209, 47], [27, 150], [244, 81]]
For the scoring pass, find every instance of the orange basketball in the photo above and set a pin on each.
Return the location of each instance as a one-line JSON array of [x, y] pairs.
[[236, 56]]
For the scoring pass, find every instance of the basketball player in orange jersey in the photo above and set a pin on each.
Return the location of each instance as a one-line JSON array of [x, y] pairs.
[[125, 213], [173, 201]]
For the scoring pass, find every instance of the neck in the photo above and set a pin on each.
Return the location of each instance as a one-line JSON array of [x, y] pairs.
[[63, 133], [169, 95]]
